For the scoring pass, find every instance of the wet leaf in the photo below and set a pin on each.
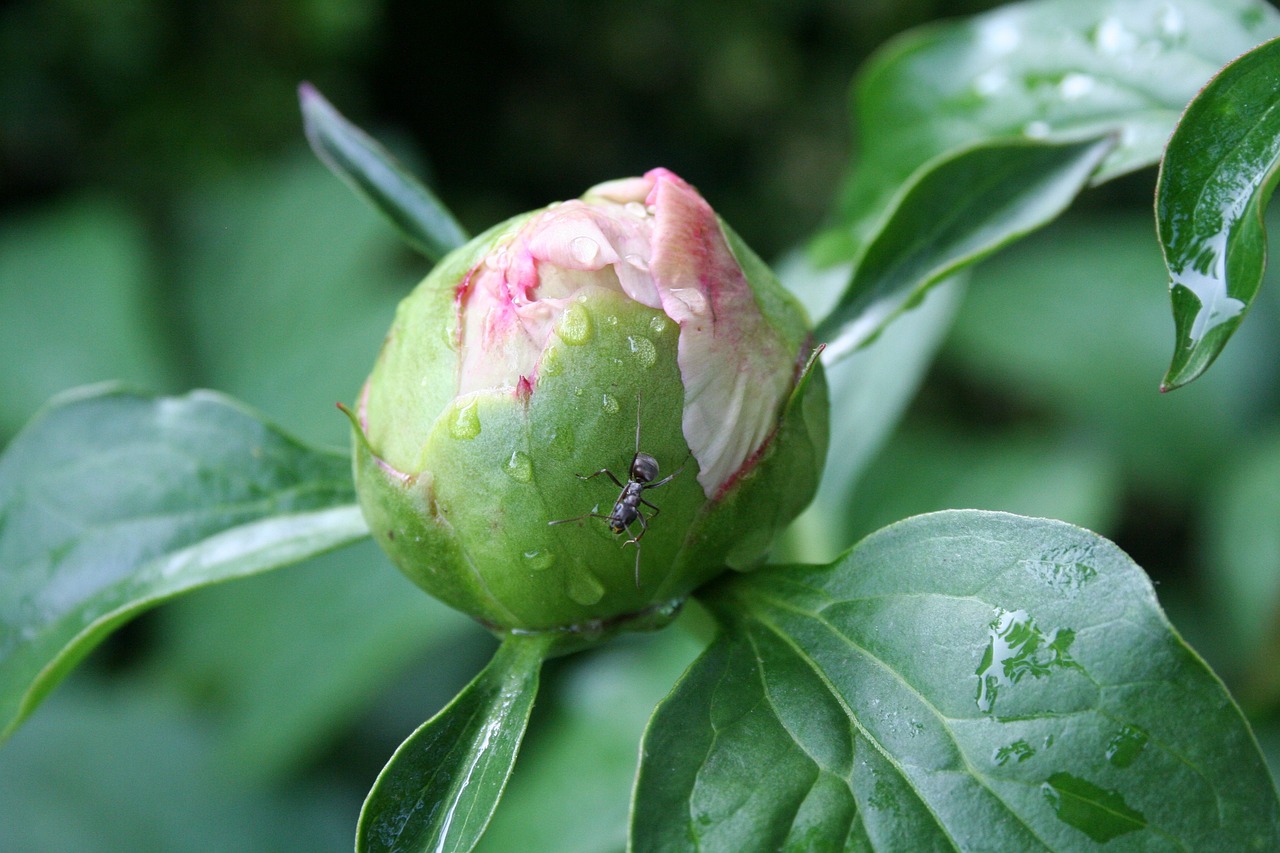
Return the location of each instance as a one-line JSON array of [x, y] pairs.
[[1215, 181], [369, 169], [1037, 69], [111, 502], [963, 680], [440, 788], [957, 213]]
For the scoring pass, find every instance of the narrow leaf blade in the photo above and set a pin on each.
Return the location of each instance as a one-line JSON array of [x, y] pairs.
[[111, 502], [960, 210], [962, 680], [1216, 178], [368, 168], [439, 790]]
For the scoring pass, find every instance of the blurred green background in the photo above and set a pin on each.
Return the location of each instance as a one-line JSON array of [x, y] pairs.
[[162, 223]]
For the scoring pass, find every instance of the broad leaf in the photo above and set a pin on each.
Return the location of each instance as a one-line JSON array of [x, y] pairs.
[[957, 212], [1215, 181], [1035, 69], [440, 788], [111, 502], [964, 680], [371, 171]]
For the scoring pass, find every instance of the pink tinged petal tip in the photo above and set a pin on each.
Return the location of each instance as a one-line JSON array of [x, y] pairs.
[[736, 367]]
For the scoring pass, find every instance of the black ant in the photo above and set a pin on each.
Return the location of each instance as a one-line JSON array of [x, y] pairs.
[[626, 509]]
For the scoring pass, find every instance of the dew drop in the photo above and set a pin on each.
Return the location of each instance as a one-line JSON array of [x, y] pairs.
[[584, 250], [635, 208], [643, 349], [610, 404], [1098, 813], [659, 324], [465, 424], [540, 560], [551, 364], [585, 588], [1017, 752], [611, 320], [575, 325], [693, 299], [1017, 648], [1125, 745], [520, 466], [637, 261]]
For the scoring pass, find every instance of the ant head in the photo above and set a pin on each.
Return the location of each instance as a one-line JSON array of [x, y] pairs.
[[644, 468]]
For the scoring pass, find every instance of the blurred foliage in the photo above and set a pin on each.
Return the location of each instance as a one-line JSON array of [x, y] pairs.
[[161, 223]]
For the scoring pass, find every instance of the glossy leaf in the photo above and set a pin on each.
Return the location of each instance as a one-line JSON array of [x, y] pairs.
[[440, 788], [423, 221], [1036, 69], [111, 502], [1215, 181], [964, 680], [959, 211]]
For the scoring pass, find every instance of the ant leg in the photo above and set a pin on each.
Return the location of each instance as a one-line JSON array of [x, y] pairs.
[[655, 509], [616, 481], [644, 528], [665, 480]]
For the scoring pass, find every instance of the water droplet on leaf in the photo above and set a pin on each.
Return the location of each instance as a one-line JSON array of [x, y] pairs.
[[1125, 745], [1098, 813], [609, 404]]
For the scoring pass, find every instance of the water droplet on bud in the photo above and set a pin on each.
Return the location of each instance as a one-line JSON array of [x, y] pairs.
[[585, 588], [610, 404], [637, 261], [465, 424], [540, 560], [635, 208], [575, 325], [520, 466], [659, 324], [584, 249], [643, 349]]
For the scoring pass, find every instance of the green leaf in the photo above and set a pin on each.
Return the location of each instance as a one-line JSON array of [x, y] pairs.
[[964, 680], [371, 171], [957, 212], [111, 502], [1215, 181], [571, 792], [440, 788], [1038, 69]]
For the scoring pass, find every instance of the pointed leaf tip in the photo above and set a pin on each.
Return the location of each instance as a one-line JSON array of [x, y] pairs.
[[369, 169]]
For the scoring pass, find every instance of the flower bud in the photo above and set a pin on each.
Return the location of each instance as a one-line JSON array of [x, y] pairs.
[[588, 411]]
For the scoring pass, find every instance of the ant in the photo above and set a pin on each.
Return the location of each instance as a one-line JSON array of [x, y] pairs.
[[626, 509]]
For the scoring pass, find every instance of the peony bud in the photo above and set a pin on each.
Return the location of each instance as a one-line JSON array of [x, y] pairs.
[[561, 343]]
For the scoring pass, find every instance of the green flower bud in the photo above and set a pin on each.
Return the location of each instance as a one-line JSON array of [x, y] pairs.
[[556, 347]]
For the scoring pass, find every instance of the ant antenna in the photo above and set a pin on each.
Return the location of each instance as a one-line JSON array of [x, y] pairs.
[[637, 422]]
